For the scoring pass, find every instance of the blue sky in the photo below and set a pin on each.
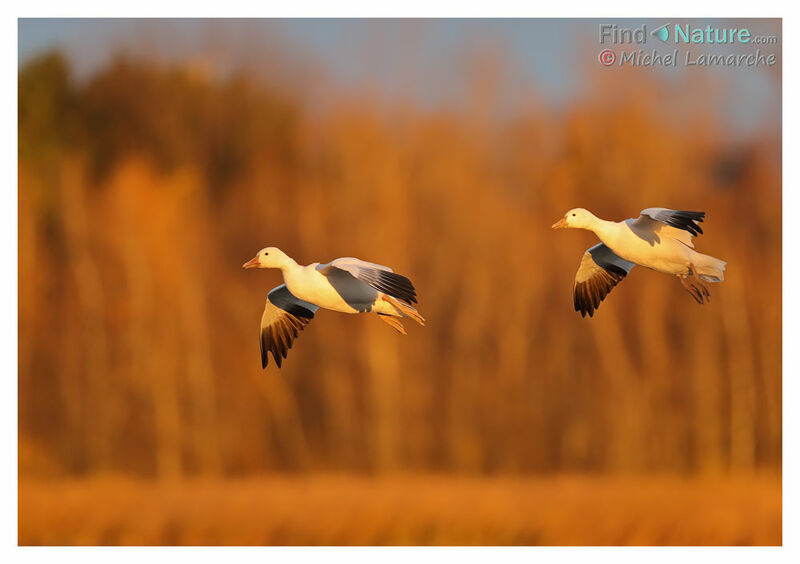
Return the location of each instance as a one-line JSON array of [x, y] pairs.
[[424, 59]]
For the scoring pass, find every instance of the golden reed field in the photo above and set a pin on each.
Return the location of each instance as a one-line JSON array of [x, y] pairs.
[[404, 510], [144, 415]]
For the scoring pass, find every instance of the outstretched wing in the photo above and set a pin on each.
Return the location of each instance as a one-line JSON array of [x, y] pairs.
[[686, 220], [599, 272], [379, 277], [283, 318]]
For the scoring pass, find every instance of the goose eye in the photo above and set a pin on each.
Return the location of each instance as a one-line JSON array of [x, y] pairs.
[[573, 215]]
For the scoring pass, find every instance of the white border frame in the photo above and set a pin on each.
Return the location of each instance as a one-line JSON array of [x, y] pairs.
[[408, 8]]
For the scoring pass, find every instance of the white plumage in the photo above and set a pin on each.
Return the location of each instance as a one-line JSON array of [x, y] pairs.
[[659, 239], [347, 285]]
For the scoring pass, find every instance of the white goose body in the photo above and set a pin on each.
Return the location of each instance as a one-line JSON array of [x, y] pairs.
[[659, 239], [308, 284], [667, 255], [346, 285]]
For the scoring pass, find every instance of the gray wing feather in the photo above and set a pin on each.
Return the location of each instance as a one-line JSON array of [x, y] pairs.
[[686, 220], [350, 263], [378, 277], [600, 270], [284, 317]]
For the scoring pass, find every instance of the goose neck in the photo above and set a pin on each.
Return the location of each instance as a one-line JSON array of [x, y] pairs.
[[289, 265], [601, 226]]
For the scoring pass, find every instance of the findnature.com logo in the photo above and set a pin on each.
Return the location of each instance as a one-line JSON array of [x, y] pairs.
[[679, 35], [683, 34]]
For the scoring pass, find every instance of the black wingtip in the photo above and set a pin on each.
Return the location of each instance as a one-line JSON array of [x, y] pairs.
[[688, 220], [395, 285]]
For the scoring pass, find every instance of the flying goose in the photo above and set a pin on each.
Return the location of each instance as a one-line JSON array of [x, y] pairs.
[[659, 239], [347, 284]]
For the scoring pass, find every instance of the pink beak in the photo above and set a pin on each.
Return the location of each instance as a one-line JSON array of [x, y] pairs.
[[560, 224], [252, 263]]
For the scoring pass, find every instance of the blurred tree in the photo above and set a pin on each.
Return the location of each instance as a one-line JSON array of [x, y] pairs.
[[143, 189]]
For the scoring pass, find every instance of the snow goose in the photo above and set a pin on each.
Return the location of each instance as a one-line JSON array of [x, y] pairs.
[[347, 284], [659, 239]]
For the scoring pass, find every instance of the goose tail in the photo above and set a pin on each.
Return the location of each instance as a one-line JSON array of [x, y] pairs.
[[709, 268], [405, 308]]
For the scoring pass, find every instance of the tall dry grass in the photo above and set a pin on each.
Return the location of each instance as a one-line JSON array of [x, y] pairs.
[[508, 419], [403, 510], [144, 188]]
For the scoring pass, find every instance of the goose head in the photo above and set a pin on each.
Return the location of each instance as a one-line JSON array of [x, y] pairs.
[[576, 218], [268, 257]]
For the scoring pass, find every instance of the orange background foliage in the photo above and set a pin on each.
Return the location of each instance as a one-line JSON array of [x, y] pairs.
[[142, 190]]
